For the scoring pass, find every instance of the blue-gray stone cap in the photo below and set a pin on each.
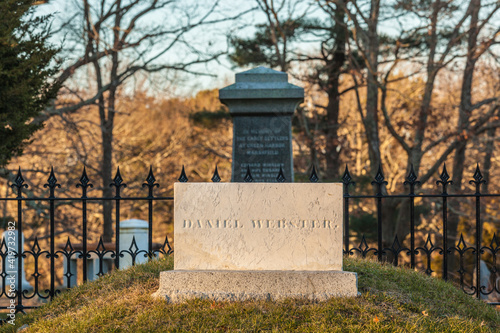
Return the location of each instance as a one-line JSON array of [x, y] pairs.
[[261, 83]]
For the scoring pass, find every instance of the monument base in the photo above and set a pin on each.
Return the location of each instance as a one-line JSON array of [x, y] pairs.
[[178, 286]]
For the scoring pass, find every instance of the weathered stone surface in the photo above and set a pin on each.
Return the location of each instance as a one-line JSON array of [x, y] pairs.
[[262, 103], [177, 286], [258, 226]]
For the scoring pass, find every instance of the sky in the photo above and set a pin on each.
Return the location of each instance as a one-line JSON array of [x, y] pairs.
[[211, 38]]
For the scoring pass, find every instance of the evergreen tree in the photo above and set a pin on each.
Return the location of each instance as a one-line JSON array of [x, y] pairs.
[[26, 64]]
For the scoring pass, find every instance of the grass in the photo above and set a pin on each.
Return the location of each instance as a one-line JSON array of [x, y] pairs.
[[392, 300]]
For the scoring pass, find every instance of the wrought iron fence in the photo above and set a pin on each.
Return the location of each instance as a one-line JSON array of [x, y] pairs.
[[439, 255], [69, 251], [430, 251]]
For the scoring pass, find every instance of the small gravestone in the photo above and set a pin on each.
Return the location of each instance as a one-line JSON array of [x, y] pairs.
[[240, 241], [262, 103], [131, 230], [11, 237]]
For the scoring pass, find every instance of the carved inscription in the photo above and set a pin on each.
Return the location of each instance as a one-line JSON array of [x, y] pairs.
[[257, 142], [212, 224], [264, 146], [262, 170], [293, 224], [260, 224]]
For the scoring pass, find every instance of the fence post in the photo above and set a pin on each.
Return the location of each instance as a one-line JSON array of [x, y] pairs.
[[52, 184], [117, 183], [19, 184], [411, 180], [346, 180], [151, 184], [84, 184], [478, 180], [445, 181], [379, 182]]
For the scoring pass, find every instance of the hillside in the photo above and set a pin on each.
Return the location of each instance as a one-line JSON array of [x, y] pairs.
[[392, 300]]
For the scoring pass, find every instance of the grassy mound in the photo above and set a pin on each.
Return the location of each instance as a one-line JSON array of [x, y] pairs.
[[392, 300]]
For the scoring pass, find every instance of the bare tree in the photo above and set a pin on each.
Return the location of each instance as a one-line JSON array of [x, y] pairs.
[[114, 41], [444, 49], [366, 41]]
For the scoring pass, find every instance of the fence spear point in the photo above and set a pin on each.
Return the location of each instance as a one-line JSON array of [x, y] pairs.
[[118, 180], [52, 180], [478, 176], [19, 181], [379, 177], [411, 179], [281, 177], [183, 178], [216, 178], [444, 175], [248, 177], [346, 177], [313, 178]]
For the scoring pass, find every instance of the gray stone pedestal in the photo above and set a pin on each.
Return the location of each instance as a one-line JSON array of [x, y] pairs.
[[178, 286]]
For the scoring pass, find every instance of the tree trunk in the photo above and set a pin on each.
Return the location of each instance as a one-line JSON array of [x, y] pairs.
[[490, 144], [371, 119], [334, 69], [332, 138], [465, 109], [107, 124], [107, 191]]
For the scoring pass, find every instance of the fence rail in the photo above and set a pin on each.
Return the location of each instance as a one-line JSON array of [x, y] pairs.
[[429, 250]]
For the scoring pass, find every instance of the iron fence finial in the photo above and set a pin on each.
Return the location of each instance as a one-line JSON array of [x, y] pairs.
[[248, 177], [444, 180], [478, 179], [379, 180], [411, 180], [216, 178], [347, 180], [183, 178], [313, 178]]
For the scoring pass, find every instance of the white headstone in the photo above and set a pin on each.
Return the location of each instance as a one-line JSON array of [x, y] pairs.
[[128, 230], [258, 226], [11, 265], [239, 241]]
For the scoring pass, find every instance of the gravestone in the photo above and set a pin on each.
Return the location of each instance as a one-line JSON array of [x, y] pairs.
[[130, 230], [239, 241], [11, 237], [262, 103]]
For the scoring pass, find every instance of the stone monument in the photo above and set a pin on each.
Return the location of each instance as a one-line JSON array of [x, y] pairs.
[[262, 103], [239, 241]]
